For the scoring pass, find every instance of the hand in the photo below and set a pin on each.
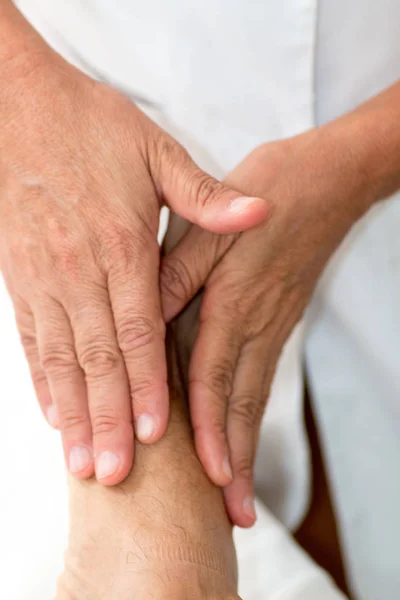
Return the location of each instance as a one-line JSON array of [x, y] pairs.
[[260, 284], [83, 175]]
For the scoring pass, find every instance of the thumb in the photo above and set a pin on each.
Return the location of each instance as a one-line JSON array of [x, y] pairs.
[[201, 199], [185, 270]]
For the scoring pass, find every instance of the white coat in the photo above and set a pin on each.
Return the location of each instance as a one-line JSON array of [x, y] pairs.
[[224, 76]]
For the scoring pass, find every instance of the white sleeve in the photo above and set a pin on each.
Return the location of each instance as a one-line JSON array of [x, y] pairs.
[[272, 566]]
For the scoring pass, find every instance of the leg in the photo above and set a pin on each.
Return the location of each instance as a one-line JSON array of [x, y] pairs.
[[162, 534]]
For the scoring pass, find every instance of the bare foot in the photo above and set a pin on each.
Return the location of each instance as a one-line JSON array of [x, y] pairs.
[[161, 535]]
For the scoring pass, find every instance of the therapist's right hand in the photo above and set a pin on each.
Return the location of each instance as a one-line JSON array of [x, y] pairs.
[[83, 176]]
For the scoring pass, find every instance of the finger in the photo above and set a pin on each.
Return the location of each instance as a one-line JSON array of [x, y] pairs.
[[245, 411], [135, 297], [198, 197], [107, 384], [212, 368], [27, 331], [66, 384], [184, 270]]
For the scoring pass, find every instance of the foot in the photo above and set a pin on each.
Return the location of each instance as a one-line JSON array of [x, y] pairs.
[[161, 535]]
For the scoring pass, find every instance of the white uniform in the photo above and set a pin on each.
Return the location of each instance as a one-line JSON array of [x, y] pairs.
[[224, 76]]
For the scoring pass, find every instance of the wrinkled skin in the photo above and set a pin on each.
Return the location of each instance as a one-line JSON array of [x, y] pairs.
[[83, 176], [256, 287], [162, 534]]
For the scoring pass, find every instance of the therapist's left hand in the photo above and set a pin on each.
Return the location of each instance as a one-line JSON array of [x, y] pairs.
[[259, 286]]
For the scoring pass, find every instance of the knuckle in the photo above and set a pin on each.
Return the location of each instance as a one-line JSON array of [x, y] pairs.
[[71, 418], [58, 359], [243, 467], [38, 377], [117, 249], [235, 307], [166, 152], [67, 260], [275, 152], [99, 359], [262, 152], [105, 420], [247, 409], [175, 279], [140, 391], [28, 341], [222, 313], [215, 424], [207, 188], [219, 379], [121, 255], [120, 248], [137, 333]]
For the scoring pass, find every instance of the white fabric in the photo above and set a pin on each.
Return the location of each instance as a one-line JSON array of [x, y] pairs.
[[273, 567], [353, 349], [224, 76]]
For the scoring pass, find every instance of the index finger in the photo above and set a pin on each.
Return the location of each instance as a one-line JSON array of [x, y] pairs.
[[186, 268]]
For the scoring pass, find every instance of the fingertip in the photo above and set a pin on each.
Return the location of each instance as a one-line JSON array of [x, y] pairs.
[[80, 462], [112, 467], [250, 207], [52, 416], [84, 475], [240, 505], [249, 508], [241, 520], [151, 413], [214, 457], [240, 214], [149, 429]]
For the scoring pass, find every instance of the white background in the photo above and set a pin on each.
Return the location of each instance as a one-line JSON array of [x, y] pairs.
[[33, 498]]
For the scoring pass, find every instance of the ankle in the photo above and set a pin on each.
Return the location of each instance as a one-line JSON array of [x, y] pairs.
[[167, 569], [163, 533]]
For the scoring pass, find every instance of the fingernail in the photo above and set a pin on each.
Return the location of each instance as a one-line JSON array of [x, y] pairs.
[[79, 459], [226, 468], [243, 203], [107, 464], [145, 426], [249, 508], [52, 416]]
